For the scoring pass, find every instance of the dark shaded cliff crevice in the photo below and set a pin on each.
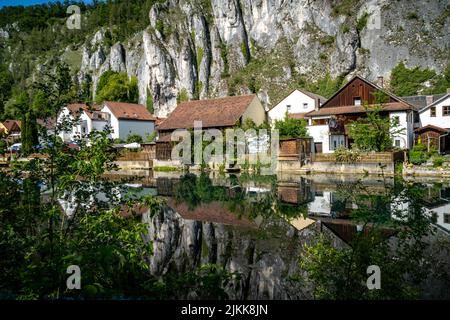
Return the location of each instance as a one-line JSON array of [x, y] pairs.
[[245, 48], [250, 260]]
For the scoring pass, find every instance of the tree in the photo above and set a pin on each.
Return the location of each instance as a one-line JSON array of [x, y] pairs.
[[374, 132], [29, 133], [291, 128], [6, 83], [408, 82], [394, 239], [117, 87]]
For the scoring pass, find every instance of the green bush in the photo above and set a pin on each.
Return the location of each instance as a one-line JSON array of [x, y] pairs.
[[343, 154], [438, 161], [134, 138], [418, 154]]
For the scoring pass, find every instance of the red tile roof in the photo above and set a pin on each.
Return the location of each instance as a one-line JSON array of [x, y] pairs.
[[391, 106], [220, 112], [129, 111], [12, 125], [75, 108]]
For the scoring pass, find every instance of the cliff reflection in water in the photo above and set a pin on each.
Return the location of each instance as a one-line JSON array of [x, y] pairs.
[[258, 225]]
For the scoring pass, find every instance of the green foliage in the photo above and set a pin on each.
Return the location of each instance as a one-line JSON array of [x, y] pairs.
[[224, 56], [418, 154], [326, 86], [343, 154], [134, 138], [182, 96], [151, 136], [345, 7], [6, 83], [29, 133], [341, 273], [150, 106], [117, 87], [323, 56], [245, 51], [291, 128], [165, 168], [345, 28], [327, 40], [374, 132], [438, 161], [3, 146], [405, 81], [361, 23], [412, 16]]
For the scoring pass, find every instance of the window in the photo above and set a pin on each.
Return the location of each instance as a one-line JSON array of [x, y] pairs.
[[319, 122], [446, 218], [288, 108], [446, 111], [397, 143], [357, 101], [396, 119], [433, 112], [336, 141], [305, 105]]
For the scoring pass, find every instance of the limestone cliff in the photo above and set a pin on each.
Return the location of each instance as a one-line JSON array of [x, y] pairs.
[[200, 48]]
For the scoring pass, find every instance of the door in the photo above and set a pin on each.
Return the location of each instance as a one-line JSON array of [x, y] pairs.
[[318, 147]]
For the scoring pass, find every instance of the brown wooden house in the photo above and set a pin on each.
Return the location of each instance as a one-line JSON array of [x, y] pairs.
[[328, 124]]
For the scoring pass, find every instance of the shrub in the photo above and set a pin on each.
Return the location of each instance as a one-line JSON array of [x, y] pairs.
[[343, 154], [134, 138], [418, 154], [438, 161]]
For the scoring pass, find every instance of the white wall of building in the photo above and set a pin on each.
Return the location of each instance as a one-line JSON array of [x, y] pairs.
[[299, 102], [321, 204], [438, 121], [406, 122], [320, 133]]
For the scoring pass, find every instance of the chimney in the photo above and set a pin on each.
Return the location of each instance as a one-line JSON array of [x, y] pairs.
[[429, 100], [380, 82], [448, 90]]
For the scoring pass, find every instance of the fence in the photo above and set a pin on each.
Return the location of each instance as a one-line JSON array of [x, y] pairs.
[[127, 155]]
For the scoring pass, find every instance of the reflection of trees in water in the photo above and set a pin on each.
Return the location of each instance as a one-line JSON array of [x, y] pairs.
[[396, 235], [195, 190]]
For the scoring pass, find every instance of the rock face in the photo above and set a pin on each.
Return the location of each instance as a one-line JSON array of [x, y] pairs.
[[199, 49], [264, 257]]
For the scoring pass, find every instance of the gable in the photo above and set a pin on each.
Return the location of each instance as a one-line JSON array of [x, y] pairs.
[[295, 97], [357, 87], [444, 100]]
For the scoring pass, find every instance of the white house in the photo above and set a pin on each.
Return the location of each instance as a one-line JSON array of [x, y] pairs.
[[128, 119], [434, 127], [83, 120], [437, 114], [328, 125], [297, 104]]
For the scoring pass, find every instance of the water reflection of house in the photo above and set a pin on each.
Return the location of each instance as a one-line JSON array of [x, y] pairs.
[[437, 203], [295, 193], [214, 211]]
